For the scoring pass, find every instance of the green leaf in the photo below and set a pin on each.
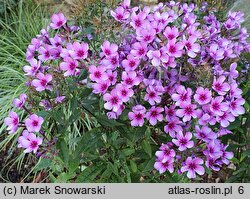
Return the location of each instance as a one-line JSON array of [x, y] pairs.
[[147, 148], [128, 151], [64, 151], [43, 164], [133, 166]]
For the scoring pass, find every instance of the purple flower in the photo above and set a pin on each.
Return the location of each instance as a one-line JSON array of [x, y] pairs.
[[59, 99], [236, 107], [219, 86], [170, 112], [124, 92], [19, 102], [79, 51], [191, 47], [33, 123], [113, 101], [225, 119], [33, 68], [163, 164], [154, 115], [174, 49], [29, 141], [235, 92], [165, 151], [204, 133], [226, 156], [131, 63], [137, 116], [12, 122], [97, 73], [58, 20], [193, 166], [186, 112], [216, 52], [101, 87], [202, 96], [213, 163], [108, 49], [152, 96], [217, 106], [213, 149], [182, 96], [139, 49], [171, 33], [183, 141], [120, 14], [42, 82], [146, 34], [172, 127], [233, 72], [130, 78], [137, 20], [69, 66]]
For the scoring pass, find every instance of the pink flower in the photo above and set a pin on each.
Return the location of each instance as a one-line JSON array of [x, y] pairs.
[[157, 56], [33, 123], [130, 78], [187, 112], [110, 62], [219, 86], [152, 96], [69, 66], [79, 51], [170, 112], [171, 33], [154, 115], [113, 101], [19, 102], [108, 49], [139, 49], [217, 106], [137, 20], [216, 52], [58, 20], [29, 141], [146, 34], [165, 151], [42, 82], [235, 91], [112, 76], [131, 63], [59, 99], [124, 92], [120, 14], [173, 127], [163, 164], [236, 107], [97, 73], [225, 119], [203, 96], [191, 47], [12, 122], [137, 116], [182, 96], [204, 133], [183, 141], [233, 72], [174, 49], [33, 68], [101, 87], [192, 166]]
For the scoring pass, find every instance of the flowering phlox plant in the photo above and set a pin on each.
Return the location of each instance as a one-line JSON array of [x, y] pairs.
[[175, 69]]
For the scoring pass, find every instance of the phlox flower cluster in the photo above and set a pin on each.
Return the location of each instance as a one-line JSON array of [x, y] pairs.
[[56, 53], [155, 74]]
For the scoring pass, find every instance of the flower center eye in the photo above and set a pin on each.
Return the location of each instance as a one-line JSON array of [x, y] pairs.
[[138, 116], [152, 94], [33, 144], [188, 110], [59, 23], [192, 166], [72, 66], [218, 86], [172, 49], [138, 22], [216, 106], [154, 113], [141, 51], [43, 82], [119, 16], [35, 123], [80, 53], [124, 92], [114, 61], [183, 141], [107, 52], [114, 100], [97, 74], [188, 45], [203, 97], [129, 81]]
